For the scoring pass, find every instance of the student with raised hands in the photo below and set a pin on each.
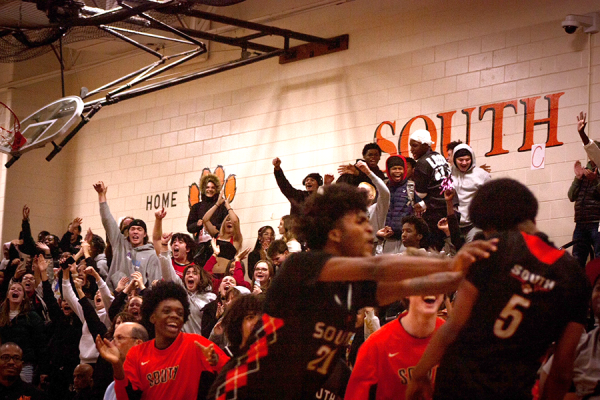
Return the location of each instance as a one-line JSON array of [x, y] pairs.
[[194, 279], [131, 253], [234, 268], [87, 352], [128, 297], [229, 236], [64, 333]]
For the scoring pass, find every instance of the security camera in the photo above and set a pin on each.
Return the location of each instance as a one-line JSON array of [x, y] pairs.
[[590, 23]]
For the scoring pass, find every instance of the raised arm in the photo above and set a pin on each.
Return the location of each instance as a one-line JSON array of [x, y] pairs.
[[166, 267], [70, 296], [590, 146], [237, 235], [107, 297], [28, 246], [284, 185], [390, 268], [157, 231], [581, 124], [108, 221], [383, 200]]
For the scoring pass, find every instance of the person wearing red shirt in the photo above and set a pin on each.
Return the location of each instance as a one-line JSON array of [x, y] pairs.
[[175, 365], [385, 361]]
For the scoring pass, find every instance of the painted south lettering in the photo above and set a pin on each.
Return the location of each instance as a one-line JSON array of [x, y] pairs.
[[331, 334], [526, 276], [162, 375]]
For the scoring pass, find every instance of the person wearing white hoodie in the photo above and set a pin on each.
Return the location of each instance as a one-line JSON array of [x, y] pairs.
[[467, 179], [87, 347]]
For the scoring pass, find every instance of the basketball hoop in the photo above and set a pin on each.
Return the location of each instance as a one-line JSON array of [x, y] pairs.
[[11, 136]]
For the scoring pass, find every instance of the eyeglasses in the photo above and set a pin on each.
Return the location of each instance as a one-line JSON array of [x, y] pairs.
[[7, 358]]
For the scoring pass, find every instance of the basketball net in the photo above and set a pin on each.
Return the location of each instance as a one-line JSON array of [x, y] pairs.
[[10, 129]]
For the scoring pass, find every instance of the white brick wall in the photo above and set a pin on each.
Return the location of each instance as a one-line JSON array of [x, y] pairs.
[[318, 113]]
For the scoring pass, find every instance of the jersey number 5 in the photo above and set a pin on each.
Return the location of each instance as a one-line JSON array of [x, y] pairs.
[[511, 314]]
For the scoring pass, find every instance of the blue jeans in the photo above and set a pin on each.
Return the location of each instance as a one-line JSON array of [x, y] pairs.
[[587, 234]]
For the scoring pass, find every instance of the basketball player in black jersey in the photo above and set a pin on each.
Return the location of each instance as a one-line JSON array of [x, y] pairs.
[[311, 305], [508, 310]]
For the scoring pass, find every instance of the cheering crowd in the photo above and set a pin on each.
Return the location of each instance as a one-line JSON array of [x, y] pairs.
[[425, 279]]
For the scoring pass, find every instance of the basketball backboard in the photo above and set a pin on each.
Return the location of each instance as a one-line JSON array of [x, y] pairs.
[[47, 124]]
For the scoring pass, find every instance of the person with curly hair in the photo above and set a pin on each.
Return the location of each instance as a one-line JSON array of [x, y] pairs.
[[210, 188], [239, 320], [173, 365], [311, 304], [508, 310]]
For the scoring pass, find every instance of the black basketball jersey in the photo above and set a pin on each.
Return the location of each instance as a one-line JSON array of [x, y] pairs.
[[304, 331], [528, 292]]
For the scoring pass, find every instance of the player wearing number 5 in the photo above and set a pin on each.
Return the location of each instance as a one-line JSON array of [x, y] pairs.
[[508, 310], [312, 302]]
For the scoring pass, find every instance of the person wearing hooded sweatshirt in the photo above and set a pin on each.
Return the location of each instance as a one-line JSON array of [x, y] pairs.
[[400, 204], [131, 254], [467, 179]]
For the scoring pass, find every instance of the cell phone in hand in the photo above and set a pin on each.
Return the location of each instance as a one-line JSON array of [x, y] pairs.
[[65, 264]]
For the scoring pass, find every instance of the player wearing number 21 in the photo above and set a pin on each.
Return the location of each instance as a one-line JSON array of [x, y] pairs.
[[508, 310], [311, 303]]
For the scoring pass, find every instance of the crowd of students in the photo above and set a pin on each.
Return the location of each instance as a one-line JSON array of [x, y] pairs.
[[350, 301]]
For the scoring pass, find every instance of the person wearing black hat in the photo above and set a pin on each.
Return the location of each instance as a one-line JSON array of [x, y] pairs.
[[131, 254], [311, 182]]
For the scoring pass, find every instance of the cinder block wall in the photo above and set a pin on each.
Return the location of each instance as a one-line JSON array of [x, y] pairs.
[[316, 114]]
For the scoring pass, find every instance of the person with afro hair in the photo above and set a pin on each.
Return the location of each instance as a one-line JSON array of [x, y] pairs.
[[508, 310], [311, 304], [173, 365]]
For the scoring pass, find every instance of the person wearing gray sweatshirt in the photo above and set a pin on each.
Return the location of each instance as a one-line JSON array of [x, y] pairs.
[[130, 254]]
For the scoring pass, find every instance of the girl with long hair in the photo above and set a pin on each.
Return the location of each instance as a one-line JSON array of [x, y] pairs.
[[265, 237], [21, 325]]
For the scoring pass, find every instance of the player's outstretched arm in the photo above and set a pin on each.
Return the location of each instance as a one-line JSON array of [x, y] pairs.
[[392, 268], [440, 282], [420, 386], [561, 373]]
